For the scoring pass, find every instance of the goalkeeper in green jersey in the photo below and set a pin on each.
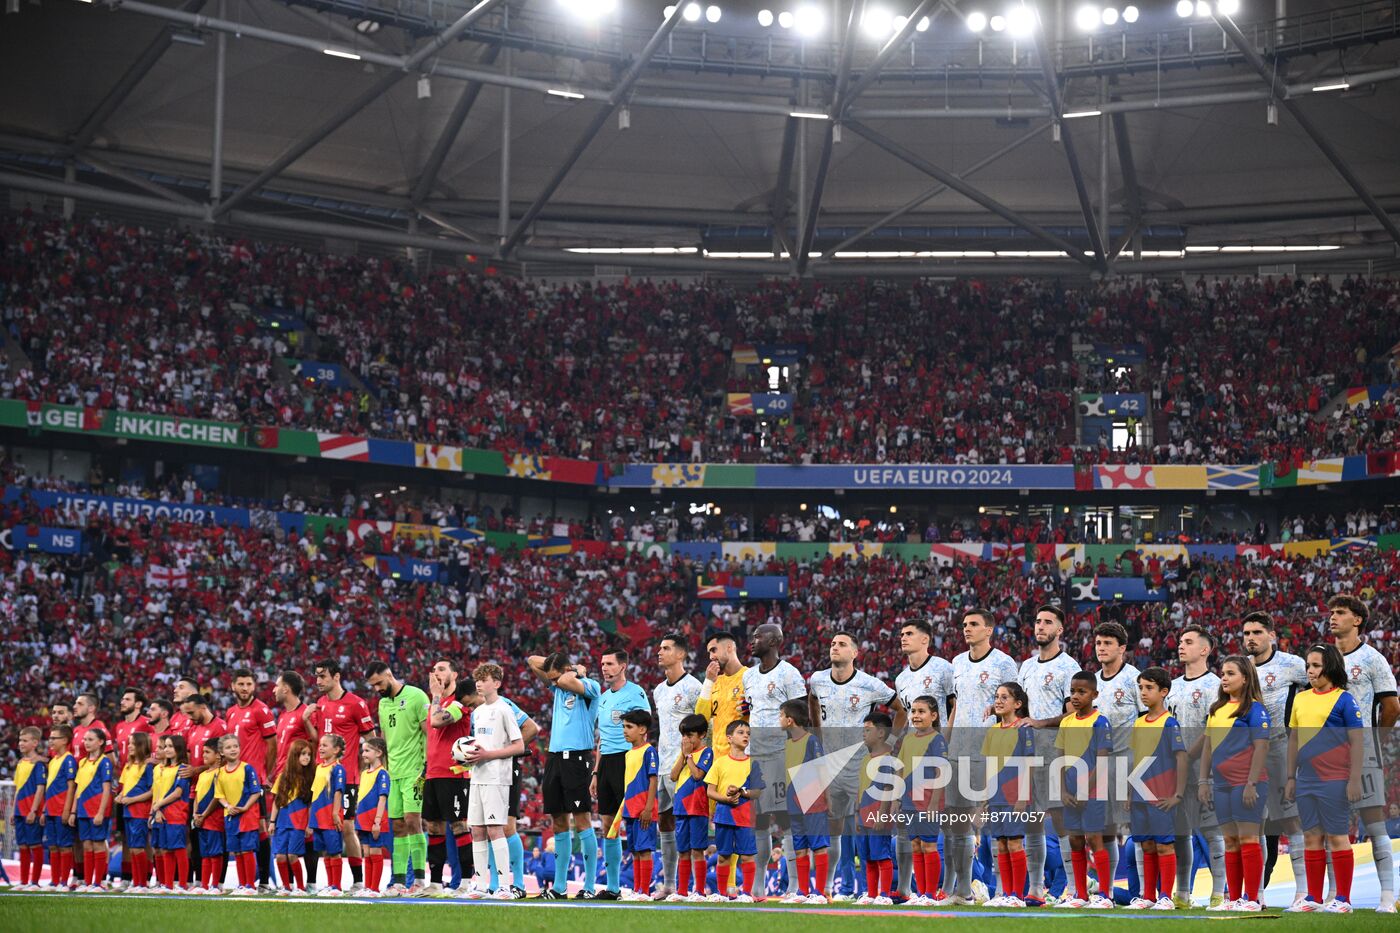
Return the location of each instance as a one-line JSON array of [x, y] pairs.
[[403, 708]]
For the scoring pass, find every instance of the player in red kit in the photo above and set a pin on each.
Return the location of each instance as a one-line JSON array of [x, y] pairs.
[[341, 713], [180, 724], [251, 722], [291, 716], [203, 726]]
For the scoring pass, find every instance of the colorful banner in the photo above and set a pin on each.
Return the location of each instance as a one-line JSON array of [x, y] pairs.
[[85, 503], [845, 477], [760, 403], [77, 419], [1362, 396]]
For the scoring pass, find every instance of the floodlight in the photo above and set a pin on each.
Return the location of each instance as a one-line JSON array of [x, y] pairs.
[[1110, 16], [1130, 14], [1087, 18], [765, 18], [976, 21]]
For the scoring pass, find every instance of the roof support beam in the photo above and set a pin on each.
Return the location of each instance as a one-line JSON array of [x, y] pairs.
[[1279, 90], [363, 100], [1057, 107], [963, 188], [615, 98], [933, 192], [895, 43], [127, 83], [778, 204], [428, 176], [133, 179], [838, 106]]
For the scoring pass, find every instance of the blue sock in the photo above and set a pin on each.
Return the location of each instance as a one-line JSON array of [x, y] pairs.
[[563, 855], [517, 860], [612, 854], [588, 841], [846, 866], [491, 867]]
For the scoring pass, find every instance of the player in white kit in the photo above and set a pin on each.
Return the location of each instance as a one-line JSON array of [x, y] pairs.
[[673, 699], [1189, 701], [1118, 702], [977, 673], [1281, 675], [1045, 677], [924, 674], [767, 686], [1371, 682], [838, 699]]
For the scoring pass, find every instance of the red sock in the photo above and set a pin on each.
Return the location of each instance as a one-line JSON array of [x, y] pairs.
[[823, 860], [1166, 873], [374, 868], [933, 872], [722, 875], [683, 876], [1344, 864], [886, 867], [284, 871], [872, 878], [24, 864], [746, 871], [1234, 874], [96, 870], [698, 866], [920, 873], [333, 867], [297, 875], [641, 874], [1316, 862], [182, 867], [1080, 860], [1149, 876], [140, 869], [250, 861], [1004, 874], [1019, 871], [1252, 862], [1105, 876], [163, 868], [58, 867]]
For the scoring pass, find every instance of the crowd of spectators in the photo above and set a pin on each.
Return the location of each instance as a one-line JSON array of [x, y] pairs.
[[1238, 371]]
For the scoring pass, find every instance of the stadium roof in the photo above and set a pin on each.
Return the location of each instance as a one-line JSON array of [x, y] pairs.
[[711, 161]]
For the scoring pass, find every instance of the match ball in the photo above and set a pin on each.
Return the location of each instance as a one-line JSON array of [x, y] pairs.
[[463, 749]]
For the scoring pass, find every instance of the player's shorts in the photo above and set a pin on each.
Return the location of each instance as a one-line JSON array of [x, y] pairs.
[[517, 776], [566, 779], [665, 792], [405, 796], [735, 840], [327, 841], [1230, 806], [1003, 822], [93, 831], [1116, 810], [211, 843], [489, 805], [692, 833], [1087, 819], [874, 847], [1193, 816], [1149, 823], [773, 797], [236, 840], [58, 834], [169, 835], [1040, 777], [922, 826], [380, 840], [32, 834], [1276, 809], [1372, 785], [806, 841], [612, 784], [1326, 809], [289, 840], [959, 764], [348, 799], [841, 799], [641, 838], [445, 800]]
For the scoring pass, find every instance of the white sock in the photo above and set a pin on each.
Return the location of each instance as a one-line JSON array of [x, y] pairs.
[[904, 857], [1381, 852], [1139, 869], [1067, 859], [501, 849], [669, 857], [1035, 863], [1215, 844], [765, 851], [481, 855], [1110, 845], [966, 856], [790, 856], [1300, 867]]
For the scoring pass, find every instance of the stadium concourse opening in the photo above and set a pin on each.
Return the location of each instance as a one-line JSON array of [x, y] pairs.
[[877, 458]]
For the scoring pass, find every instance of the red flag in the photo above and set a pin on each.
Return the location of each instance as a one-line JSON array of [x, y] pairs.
[[1382, 464], [1083, 477], [564, 470], [266, 438], [92, 419]]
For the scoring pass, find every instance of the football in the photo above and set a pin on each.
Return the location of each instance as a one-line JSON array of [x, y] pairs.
[[463, 749]]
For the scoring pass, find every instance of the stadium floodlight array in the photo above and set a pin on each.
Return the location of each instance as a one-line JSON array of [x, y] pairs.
[[589, 9], [1201, 9], [807, 20], [1090, 17], [1017, 20], [879, 23]]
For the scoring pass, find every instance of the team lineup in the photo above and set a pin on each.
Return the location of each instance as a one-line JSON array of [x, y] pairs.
[[840, 768]]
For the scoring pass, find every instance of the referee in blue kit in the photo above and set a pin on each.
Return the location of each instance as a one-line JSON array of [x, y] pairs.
[[568, 772]]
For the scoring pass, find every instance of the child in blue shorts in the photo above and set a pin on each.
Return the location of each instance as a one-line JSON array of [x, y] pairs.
[[291, 817], [808, 818], [733, 783], [691, 807]]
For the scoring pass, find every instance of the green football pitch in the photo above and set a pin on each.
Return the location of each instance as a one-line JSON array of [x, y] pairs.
[[115, 913]]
